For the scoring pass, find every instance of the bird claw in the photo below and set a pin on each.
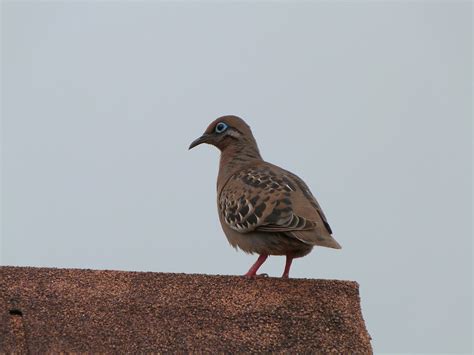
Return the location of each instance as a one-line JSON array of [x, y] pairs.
[[256, 276]]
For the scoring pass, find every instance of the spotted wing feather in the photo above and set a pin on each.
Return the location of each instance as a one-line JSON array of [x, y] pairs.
[[259, 199], [311, 199]]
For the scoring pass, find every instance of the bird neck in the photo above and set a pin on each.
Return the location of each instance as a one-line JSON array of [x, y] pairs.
[[234, 158]]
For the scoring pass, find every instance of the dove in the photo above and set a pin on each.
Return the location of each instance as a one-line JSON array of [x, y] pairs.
[[263, 209]]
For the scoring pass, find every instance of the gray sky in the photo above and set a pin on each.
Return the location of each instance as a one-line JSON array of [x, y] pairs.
[[368, 102]]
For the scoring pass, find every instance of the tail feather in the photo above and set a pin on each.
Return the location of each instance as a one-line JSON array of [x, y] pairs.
[[310, 237]]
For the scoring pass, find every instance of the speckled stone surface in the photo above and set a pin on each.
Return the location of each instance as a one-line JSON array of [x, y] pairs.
[[70, 310]]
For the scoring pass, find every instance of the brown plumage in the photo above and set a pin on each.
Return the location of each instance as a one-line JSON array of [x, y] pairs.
[[263, 208]]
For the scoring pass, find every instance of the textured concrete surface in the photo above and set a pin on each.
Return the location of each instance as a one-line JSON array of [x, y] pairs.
[[53, 310]]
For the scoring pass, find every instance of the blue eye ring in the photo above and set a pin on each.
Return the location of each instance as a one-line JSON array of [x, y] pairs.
[[221, 127]]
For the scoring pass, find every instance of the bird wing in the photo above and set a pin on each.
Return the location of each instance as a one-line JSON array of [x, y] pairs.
[[269, 199], [310, 198]]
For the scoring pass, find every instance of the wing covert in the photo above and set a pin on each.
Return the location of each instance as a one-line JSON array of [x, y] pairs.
[[260, 199]]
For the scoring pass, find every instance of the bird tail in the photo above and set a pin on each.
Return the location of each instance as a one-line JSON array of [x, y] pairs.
[[323, 240]]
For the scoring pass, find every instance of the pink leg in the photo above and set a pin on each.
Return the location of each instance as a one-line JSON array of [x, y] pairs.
[[253, 270], [286, 273]]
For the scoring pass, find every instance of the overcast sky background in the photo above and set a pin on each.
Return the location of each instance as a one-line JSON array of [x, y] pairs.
[[368, 102]]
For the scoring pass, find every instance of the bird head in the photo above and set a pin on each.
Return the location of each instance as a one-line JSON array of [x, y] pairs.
[[225, 132]]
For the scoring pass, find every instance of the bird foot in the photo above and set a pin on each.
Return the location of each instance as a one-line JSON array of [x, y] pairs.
[[256, 276]]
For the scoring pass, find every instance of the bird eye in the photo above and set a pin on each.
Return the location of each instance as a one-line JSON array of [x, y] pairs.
[[221, 127]]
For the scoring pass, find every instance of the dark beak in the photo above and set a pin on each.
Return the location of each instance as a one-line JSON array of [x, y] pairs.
[[203, 139]]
